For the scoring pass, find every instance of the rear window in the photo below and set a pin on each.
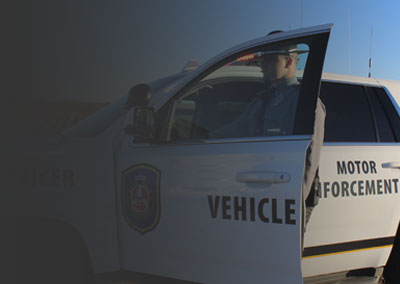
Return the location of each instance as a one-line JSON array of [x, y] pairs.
[[348, 115], [390, 112], [385, 130], [357, 113]]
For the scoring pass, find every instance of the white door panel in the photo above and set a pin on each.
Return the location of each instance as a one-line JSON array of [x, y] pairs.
[[226, 242], [358, 208], [212, 201]]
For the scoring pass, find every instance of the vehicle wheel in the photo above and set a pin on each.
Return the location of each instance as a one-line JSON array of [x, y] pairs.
[[43, 251]]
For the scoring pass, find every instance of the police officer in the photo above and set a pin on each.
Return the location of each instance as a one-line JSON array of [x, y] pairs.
[[272, 111]]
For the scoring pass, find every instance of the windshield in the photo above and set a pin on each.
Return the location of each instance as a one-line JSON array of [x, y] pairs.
[[99, 121]]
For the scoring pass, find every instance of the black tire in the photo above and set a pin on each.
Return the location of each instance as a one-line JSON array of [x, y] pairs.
[[43, 251]]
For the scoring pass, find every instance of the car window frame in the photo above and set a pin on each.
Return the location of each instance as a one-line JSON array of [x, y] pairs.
[[304, 120], [391, 109], [393, 112]]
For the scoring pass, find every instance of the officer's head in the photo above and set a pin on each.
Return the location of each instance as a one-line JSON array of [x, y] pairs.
[[279, 62]]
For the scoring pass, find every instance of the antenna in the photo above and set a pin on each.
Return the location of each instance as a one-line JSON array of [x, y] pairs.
[[370, 53], [349, 32], [301, 13]]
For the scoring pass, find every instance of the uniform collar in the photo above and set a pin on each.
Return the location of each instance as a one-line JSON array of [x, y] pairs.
[[284, 83], [280, 86]]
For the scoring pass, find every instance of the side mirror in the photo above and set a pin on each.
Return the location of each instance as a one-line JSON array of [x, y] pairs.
[[142, 124], [139, 96]]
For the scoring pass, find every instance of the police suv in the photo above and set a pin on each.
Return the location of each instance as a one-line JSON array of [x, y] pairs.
[[142, 192]]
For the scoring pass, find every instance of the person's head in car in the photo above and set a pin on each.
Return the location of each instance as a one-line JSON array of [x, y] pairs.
[[279, 63]]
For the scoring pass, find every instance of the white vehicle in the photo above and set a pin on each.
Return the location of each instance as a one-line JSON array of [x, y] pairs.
[[141, 191]]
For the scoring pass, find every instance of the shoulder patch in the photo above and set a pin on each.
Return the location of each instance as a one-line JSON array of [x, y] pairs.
[[141, 197]]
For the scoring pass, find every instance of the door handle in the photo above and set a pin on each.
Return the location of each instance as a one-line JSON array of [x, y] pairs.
[[262, 177], [391, 165]]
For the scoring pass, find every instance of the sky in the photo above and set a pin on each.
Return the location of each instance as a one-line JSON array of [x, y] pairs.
[[96, 50]]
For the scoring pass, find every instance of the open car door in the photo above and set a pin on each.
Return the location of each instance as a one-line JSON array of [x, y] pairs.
[[207, 200]]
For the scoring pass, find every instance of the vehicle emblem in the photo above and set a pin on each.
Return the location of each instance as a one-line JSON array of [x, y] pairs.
[[141, 197]]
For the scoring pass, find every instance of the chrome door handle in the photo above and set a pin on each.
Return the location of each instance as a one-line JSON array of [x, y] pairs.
[[262, 177], [391, 165]]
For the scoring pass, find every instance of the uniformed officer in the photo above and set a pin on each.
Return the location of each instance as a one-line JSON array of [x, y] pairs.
[[283, 74], [272, 111]]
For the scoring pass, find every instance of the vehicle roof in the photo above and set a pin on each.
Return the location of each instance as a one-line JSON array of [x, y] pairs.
[[252, 71], [343, 78], [392, 86]]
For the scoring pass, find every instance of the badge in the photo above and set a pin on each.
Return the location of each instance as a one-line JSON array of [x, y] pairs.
[[141, 197]]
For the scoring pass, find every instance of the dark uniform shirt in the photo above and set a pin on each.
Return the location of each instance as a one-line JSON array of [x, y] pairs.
[[281, 104], [270, 113]]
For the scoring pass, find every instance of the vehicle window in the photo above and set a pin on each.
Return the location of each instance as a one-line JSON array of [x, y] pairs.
[[385, 133], [390, 112], [253, 95], [348, 115], [209, 109], [99, 121]]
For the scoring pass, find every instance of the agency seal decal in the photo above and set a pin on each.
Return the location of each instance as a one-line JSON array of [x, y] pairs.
[[141, 197]]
